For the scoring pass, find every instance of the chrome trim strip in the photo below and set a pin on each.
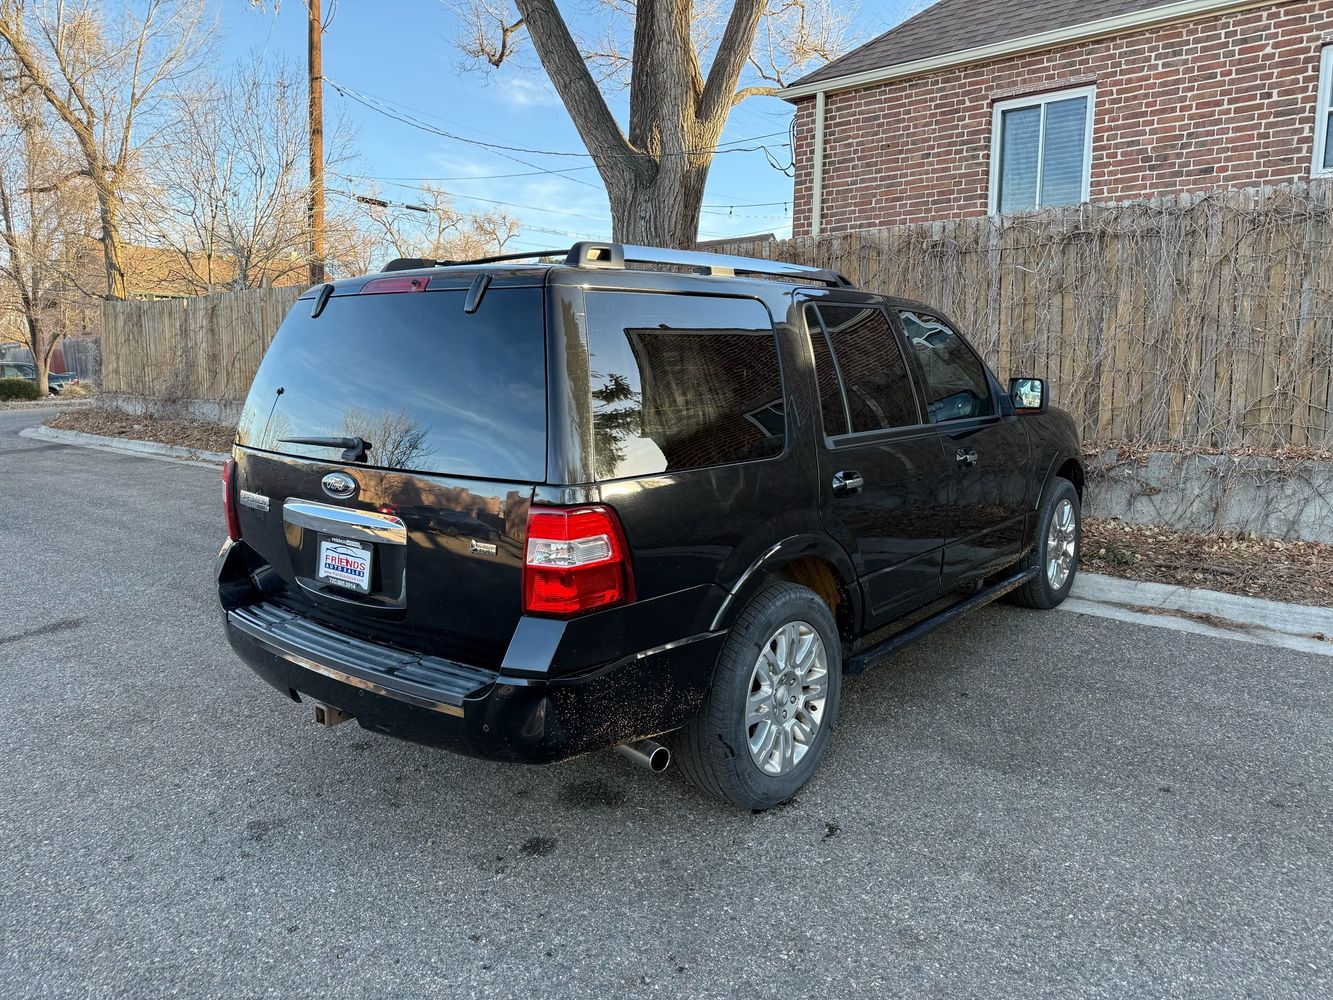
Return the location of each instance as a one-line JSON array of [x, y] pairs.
[[362, 525]]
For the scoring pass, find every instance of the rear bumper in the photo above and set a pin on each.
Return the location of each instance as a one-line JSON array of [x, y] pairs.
[[470, 710]]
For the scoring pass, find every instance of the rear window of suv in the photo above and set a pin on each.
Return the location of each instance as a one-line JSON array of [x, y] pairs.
[[681, 382], [432, 388]]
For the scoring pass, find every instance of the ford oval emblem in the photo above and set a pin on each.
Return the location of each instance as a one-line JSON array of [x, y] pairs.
[[339, 485]]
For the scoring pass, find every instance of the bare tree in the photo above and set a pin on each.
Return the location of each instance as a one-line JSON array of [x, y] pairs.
[[655, 170], [46, 223], [108, 75], [230, 199], [434, 228]]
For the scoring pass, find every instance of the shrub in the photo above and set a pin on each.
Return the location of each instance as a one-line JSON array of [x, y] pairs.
[[17, 388]]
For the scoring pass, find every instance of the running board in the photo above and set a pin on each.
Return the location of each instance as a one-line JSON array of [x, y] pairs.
[[868, 658]]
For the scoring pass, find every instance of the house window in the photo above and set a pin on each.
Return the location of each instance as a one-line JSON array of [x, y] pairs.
[[1041, 150], [1323, 128]]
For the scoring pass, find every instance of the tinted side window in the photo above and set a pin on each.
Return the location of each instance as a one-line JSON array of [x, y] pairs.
[[956, 384], [681, 382], [826, 375], [874, 375]]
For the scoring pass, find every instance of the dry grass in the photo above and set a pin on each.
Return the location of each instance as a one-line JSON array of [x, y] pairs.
[[1298, 572], [109, 422]]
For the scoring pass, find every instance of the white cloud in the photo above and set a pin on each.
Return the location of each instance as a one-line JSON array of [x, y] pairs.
[[526, 92]]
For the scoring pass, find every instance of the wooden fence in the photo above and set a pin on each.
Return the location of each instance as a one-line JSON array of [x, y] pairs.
[[1200, 322], [179, 352]]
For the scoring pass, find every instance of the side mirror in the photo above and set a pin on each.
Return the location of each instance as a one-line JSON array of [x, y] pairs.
[[1028, 394]]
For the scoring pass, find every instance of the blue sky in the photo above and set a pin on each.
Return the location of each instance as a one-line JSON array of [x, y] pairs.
[[399, 55]]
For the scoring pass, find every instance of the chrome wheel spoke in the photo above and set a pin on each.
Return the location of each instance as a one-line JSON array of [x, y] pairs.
[[758, 707], [767, 667], [808, 648], [803, 728], [761, 741]]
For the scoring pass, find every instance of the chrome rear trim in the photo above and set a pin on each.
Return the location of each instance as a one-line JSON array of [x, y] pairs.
[[362, 525]]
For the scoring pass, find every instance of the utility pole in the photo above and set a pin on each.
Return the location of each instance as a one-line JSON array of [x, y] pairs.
[[315, 206]]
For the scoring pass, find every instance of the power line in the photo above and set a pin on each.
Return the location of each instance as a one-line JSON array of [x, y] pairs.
[[473, 197], [375, 105], [723, 209], [480, 177], [386, 203]]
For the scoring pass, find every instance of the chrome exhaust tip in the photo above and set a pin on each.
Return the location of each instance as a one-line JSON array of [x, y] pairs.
[[646, 753]]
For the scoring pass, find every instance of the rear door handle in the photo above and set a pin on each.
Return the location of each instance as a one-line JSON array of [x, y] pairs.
[[846, 484], [967, 457]]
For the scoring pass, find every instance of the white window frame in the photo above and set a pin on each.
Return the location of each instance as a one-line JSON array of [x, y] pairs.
[[1322, 108], [1032, 101]]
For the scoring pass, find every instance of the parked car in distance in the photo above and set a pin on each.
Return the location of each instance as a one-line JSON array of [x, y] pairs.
[[55, 381], [640, 495]]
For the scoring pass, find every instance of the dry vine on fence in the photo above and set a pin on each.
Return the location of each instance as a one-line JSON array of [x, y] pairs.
[[1196, 323]]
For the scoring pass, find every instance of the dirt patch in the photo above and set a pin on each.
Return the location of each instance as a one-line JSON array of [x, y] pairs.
[[1297, 572], [109, 422], [1202, 617]]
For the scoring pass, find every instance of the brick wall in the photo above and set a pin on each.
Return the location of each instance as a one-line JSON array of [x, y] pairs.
[[1227, 101]]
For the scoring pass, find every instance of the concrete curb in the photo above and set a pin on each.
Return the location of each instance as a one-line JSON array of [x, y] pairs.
[[1204, 612], [143, 449], [54, 404]]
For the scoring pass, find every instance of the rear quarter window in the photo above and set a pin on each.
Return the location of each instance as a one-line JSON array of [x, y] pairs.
[[433, 389], [681, 382]]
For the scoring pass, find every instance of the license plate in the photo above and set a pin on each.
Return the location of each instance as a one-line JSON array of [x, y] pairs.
[[344, 564]]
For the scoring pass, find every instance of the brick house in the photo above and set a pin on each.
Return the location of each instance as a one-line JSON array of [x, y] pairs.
[[982, 106]]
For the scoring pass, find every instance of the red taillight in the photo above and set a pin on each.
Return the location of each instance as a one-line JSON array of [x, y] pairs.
[[382, 286], [576, 560], [229, 500]]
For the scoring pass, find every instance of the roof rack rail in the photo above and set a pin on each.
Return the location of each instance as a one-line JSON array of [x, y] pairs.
[[412, 263], [617, 255]]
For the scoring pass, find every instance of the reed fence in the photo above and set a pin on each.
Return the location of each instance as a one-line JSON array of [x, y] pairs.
[[1200, 322]]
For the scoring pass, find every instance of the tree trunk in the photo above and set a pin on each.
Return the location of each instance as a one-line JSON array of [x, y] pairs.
[[111, 246], [661, 212], [37, 346], [43, 374]]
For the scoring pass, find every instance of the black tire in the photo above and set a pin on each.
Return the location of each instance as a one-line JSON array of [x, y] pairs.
[[713, 748], [1038, 592]]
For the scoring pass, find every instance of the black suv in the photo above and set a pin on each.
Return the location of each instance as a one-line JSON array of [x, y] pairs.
[[531, 510]]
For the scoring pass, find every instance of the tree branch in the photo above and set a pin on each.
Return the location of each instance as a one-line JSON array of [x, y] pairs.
[[746, 92], [569, 73], [732, 52]]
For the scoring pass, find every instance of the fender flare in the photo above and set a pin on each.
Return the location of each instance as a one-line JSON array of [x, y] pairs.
[[773, 559], [1058, 460]]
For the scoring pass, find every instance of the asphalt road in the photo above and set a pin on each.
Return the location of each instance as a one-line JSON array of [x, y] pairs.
[[1023, 804]]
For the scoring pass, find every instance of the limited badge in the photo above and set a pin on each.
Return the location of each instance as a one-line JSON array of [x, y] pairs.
[[256, 501], [481, 548]]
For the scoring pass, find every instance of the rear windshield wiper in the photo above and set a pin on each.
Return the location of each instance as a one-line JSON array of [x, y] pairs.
[[354, 448]]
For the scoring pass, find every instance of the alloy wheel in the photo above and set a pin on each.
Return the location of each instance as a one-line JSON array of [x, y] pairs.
[[1060, 545], [784, 707]]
